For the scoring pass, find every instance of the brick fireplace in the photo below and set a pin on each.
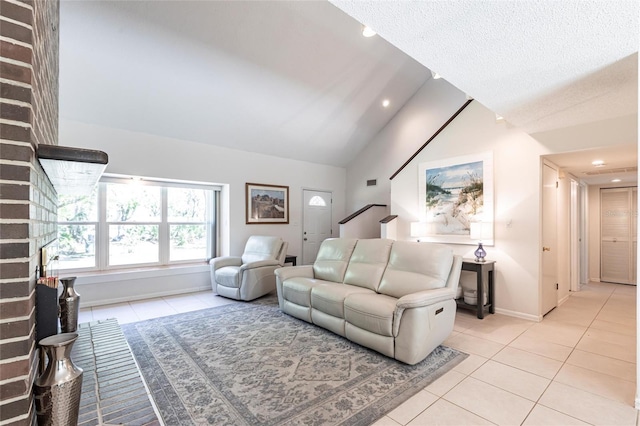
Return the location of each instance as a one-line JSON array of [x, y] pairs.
[[28, 118]]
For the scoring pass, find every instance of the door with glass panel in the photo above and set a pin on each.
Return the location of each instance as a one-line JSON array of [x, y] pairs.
[[316, 223]]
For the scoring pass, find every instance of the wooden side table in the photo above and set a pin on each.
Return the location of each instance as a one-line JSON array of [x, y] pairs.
[[481, 269]]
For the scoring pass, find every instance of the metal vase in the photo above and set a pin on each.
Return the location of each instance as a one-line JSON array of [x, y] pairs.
[[57, 391], [69, 302]]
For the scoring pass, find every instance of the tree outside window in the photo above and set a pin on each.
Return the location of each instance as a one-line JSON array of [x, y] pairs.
[[133, 215], [77, 222]]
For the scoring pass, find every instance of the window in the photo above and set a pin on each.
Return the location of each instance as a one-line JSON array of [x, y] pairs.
[[77, 226], [187, 223], [317, 200], [126, 223], [133, 218]]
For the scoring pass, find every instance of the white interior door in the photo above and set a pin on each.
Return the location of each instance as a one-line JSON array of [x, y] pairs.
[[316, 223], [618, 235], [549, 238]]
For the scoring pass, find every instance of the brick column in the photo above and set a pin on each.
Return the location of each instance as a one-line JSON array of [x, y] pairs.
[[28, 203]]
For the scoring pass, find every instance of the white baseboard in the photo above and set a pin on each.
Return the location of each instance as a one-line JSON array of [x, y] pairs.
[[528, 317], [564, 299], [144, 296]]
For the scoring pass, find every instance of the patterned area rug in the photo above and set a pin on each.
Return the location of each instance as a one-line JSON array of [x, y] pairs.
[[250, 364]]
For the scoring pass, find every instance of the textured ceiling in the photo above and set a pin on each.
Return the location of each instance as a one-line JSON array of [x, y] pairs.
[[291, 79], [541, 64]]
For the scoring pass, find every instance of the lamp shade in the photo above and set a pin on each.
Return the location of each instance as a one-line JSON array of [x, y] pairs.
[[422, 229], [481, 231], [418, 229]]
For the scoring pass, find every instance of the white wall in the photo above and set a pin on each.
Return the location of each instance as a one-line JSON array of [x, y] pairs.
[[612, 132], [125, 286], [417, 121], [516, 159], [366, 224], [146, 155]]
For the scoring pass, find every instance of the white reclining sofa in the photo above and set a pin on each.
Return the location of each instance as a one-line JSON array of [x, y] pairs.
[[395, 297]]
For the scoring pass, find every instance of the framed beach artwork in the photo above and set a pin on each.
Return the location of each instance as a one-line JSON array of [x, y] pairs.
[[267, 203], [453, 193]]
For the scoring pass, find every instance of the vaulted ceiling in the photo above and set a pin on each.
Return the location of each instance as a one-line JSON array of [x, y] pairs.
[[298, 80], [290, 79]]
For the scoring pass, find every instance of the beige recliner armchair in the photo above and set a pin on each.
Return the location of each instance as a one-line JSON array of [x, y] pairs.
[[250, 276]]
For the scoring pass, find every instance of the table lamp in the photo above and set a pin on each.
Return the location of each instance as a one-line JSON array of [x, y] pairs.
[[422, 229], [481, 231]]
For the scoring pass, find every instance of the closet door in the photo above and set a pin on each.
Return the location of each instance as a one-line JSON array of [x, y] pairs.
[[617, 231]]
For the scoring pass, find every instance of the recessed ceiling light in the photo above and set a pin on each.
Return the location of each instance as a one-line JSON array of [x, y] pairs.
[[598, 163], [368, 32], [385, 103], [616, 180]]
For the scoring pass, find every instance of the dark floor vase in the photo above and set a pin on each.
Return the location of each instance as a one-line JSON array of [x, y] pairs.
[[69, 302], [57, 391]]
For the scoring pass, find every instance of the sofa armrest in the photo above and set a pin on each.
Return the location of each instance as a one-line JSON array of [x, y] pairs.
[[287, 272], [221, 262], [425, 298], [259, 264], [454, 276], [419, 300]]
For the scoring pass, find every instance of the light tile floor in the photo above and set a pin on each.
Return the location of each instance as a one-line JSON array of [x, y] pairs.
[[576, 367]]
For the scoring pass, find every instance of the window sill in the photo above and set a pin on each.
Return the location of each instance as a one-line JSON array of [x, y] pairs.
[[97, 277]]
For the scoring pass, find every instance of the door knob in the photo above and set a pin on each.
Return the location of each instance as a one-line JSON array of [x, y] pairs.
[[305, 239], [546, 248]]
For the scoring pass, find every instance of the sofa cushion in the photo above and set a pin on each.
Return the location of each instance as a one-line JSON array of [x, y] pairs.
[[228, 276], [333, 257], [372, 312], [329, 298], [368, 262], [298, 290], [416, 267]]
